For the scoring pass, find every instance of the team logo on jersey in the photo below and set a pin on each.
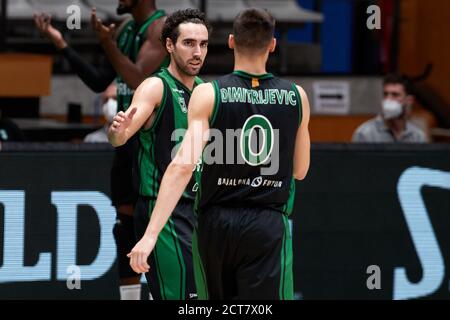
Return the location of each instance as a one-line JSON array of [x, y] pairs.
[[256, 182], [195, 187], [182, 104]]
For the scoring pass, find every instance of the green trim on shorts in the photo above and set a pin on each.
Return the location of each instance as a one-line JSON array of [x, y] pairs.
[[170, 264], [199, 271], [287, 281]]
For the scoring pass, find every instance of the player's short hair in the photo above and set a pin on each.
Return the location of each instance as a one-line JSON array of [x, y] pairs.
[[170, 29], [395, 78], [253, 29]]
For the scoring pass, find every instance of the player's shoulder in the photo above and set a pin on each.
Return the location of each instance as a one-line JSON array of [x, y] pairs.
[[125, 22], [154, 30], [152, 84], [205, 89], [299, 89]]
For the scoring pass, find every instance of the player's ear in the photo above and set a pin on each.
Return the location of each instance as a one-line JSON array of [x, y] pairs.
[[170, 46], [273, 45], [231, 41]]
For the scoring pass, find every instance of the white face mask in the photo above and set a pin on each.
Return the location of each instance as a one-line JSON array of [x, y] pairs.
[[391, 109], [110, 109]]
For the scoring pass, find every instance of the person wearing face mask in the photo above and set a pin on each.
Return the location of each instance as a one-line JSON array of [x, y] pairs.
[[109, 109], [392, 124]]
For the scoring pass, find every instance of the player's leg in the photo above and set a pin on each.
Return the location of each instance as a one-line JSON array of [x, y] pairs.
[[123, 195], [264, 259], [171, 275], [184, 222], [129, 281], [142, 210], [214, 245]]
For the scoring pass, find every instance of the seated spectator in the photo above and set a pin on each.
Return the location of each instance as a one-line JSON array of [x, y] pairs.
[[393, 123], [9, 131], [109, 100]]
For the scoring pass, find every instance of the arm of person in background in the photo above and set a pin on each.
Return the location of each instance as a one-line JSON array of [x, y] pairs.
[[177, 174], [97, 79], [150, 56], [302, 141], [146, 99], [359, 136]]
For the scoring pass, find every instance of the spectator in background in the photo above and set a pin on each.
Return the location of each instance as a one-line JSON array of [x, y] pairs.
[[9, 131], [392, 124], [109, 108]]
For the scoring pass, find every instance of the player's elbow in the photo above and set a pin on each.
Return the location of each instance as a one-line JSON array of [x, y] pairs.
[[300, 174], [180, 170], [301, 171]]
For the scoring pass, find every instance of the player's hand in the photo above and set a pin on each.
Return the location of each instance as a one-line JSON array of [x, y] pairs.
[[139, 254], [104, 33], [43, 22], [121, 121]]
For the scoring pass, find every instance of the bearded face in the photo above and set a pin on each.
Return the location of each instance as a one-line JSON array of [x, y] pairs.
[[190, 49]]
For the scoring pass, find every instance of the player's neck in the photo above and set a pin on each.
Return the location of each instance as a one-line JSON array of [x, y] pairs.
[[253, 65], [185, 79], [140, 13]]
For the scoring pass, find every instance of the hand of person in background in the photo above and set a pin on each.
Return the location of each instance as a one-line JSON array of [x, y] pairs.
[[104, 33], [43, 23]]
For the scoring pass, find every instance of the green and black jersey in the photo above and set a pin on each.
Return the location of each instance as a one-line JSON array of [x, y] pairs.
[[130, 41], [258, 118], [159, 142]]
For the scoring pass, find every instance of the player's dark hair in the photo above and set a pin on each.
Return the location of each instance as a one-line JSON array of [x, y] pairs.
[[253, 29], [171, 30]]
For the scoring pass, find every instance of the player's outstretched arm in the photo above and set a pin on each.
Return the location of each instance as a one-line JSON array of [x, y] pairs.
[[97, 78], [177, 174], [146, 98], [150, 56], [302, 141]]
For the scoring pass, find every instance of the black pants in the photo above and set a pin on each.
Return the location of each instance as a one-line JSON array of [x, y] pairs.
[[243, 253], [171, 275], [124, 190], [124, 180]]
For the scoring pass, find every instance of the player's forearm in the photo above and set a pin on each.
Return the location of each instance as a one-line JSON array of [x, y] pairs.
[[96, 78], [116, 139], [130, 72], [173, 184], [60, 44]]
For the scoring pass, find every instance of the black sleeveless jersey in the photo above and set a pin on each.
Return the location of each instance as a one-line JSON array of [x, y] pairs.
[[249, 158], [158, 144]]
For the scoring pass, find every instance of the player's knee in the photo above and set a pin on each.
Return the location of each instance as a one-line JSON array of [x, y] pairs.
[[124, 231]]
